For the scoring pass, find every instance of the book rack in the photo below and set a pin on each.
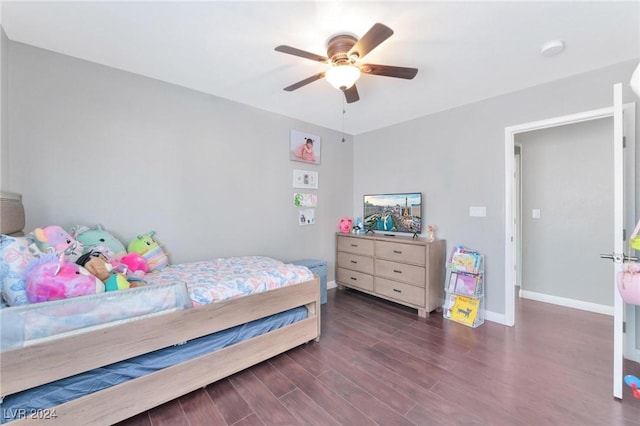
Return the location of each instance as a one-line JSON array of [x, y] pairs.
[[464, 287]]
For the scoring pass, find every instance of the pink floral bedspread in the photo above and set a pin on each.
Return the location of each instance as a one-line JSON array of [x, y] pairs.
[[214, 280]]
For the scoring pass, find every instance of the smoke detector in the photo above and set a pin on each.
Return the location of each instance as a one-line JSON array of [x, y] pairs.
[[552, 48]]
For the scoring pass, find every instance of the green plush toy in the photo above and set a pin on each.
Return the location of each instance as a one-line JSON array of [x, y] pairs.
[[116, 282], [150, 250]]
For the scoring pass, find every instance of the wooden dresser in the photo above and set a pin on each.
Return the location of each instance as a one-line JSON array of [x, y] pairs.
[[401, 269]]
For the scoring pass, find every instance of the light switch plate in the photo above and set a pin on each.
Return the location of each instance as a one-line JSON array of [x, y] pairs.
[[535, 213], [477, 211]]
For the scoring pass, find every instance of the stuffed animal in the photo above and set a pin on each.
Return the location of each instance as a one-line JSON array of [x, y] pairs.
[[116, 282], [50, 277], [54, 239], [98, 239], [135, 263], [345, 225], [150, 250], [99, 266], [96, 263]]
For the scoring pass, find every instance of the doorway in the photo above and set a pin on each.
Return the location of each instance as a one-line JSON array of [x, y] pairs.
[[566, 182], [510, 135]]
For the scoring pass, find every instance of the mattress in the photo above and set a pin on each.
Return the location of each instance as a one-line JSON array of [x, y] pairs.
[[215, 280]]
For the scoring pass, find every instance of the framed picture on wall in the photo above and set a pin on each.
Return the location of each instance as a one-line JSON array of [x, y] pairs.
[[305, 147], [306, 217], [305, 179]]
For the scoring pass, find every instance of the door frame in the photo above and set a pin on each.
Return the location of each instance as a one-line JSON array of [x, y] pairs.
[[510, 134]]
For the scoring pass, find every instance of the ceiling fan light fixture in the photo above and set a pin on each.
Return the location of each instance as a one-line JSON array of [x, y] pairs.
[[342, 77]]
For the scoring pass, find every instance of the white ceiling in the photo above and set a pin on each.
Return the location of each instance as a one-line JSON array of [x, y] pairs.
[[465, 51]]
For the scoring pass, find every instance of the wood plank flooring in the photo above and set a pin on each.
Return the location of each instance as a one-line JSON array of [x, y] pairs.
[[379, 363]]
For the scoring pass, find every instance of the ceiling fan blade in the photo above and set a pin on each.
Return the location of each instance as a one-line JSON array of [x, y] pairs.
[[302, 53], [389, 71], [351, 94], [376, 35], [304, 82]]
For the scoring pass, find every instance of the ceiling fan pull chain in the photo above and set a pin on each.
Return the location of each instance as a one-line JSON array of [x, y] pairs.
[[343, 111]]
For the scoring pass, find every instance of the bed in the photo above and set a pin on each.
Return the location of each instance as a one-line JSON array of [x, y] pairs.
[[29, 363]]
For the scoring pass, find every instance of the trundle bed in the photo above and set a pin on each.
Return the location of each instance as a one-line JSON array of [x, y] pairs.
[[123, 364]]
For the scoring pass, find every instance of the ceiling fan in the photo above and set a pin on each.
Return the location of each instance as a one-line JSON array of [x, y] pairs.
[[343, 53]]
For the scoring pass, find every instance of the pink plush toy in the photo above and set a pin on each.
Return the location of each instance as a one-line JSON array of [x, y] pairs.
[[345, 225], [54, 239], [50, 277], [135, 263]]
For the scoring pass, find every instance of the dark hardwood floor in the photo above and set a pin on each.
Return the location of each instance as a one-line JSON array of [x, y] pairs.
[[379, 363]]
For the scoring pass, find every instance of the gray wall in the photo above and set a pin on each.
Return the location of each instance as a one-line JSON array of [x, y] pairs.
[[4, 127], [456, 158], [567, 173], [91, 144]]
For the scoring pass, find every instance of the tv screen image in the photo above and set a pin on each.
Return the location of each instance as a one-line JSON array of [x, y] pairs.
[[401, 212]]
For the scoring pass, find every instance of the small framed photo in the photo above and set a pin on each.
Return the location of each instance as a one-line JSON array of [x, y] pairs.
[[305, 179], [306, 217], [305, 147]]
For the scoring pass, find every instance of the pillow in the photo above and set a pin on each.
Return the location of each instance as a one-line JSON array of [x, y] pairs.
[[15, 254]]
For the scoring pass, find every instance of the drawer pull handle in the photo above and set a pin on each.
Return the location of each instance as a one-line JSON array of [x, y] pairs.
[[397, 291], [354, 261], [354, 245], [397, 251], [397, 271], [354, 278]]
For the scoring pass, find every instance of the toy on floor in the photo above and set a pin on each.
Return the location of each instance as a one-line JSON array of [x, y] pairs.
[[634, 383]]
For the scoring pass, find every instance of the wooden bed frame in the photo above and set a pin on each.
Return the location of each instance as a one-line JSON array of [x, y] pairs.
[[24, 368], [41, 363]]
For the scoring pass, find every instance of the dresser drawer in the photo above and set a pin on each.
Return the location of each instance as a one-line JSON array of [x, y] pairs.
[[355, 245], [355, 279], [411, 274], [401, 252], [355, 262], [400, 291]]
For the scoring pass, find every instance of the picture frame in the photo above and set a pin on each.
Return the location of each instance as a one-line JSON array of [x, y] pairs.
[[304, 147], [305, 179], [306, 217]]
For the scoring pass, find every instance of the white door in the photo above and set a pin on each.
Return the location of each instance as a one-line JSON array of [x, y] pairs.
[[618, 240]]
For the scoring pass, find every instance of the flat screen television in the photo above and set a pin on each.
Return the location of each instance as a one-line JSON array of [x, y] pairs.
[[401, 212]]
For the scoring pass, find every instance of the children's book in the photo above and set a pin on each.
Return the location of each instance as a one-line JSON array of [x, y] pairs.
[[465, 260], [465, 283], [465, 310], [448, 305]]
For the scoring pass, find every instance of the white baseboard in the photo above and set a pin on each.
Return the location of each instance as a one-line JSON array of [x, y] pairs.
[[495, 317], [331, 284], [570, 303]]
